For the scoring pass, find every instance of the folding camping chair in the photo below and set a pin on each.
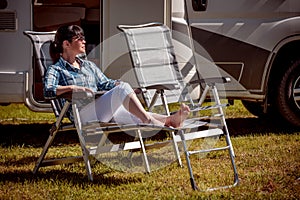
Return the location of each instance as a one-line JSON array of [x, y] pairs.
[[42, 59], [154, 62]]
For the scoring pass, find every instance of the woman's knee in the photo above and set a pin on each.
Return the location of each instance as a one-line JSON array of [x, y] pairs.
[[120, 92], [125, 89]]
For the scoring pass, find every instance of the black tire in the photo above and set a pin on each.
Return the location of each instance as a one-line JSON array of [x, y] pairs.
[[288, 94], [254, 108]]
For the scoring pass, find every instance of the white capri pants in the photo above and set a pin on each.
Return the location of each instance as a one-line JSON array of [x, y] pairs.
[[109, 107]]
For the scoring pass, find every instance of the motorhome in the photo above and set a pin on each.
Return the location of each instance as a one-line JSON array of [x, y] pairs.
[[256, 43]]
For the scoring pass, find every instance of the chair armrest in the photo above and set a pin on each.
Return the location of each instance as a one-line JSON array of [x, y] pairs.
[[66, 95], [80, 95], [212, 80], [162, 87]]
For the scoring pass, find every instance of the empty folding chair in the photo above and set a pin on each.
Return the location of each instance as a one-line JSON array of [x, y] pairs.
[[156, 68]]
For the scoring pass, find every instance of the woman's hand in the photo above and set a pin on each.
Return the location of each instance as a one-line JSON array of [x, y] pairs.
[[75, 88], [72, 88], [118, 82]]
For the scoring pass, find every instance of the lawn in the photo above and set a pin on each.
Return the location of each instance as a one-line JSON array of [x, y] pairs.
[[267, 158]]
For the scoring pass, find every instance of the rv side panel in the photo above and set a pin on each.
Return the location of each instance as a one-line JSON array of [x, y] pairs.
[[15, 50]]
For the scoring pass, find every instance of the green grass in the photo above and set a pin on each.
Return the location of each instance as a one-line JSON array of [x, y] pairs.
[[267, 158], [19, 114]]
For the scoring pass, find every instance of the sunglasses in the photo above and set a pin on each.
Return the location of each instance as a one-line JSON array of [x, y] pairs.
[[80, 38]]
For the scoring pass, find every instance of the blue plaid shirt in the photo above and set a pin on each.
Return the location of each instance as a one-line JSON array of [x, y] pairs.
[[63, 73]]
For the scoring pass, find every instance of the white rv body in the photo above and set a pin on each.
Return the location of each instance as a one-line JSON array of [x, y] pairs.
[[15, 51], [255, 42]]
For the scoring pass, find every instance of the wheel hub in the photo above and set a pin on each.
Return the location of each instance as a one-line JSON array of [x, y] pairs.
[[296, 92]]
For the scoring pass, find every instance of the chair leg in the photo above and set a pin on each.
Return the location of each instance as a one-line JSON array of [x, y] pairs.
[[188, 161], [42, 162], [227, 138], [44, 151], [175, 145], [87, 163], [53, 131], [144, 154], [192, 179], [232, 158], [85, 153], [223, 121], [176, 150]]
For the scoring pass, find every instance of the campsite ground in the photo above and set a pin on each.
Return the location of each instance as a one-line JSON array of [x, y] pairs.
[[267, 158]]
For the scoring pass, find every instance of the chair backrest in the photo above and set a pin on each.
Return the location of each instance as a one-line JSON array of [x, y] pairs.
[[41, 43], [153, 58]]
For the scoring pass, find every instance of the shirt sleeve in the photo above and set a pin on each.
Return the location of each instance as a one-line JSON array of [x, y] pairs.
[[103, 82], [51, 82]]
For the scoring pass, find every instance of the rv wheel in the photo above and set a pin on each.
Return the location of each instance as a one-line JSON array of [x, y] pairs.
[[288, 98]]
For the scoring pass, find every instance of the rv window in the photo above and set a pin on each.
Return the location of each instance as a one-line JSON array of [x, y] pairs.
[[199, 5], [3, 4]]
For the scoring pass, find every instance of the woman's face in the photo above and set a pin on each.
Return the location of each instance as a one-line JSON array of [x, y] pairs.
[[78, 44]]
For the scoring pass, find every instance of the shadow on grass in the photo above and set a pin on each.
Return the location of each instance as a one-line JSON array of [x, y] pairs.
[[35, 135], [250, 126], [66, 176]]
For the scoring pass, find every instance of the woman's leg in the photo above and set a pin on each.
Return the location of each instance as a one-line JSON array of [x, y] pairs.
[[123, 116], [134, 106], [113, 100], [174, 120], [122, 96]]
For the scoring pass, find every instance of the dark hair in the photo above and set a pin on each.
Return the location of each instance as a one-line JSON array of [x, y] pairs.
[[66, 32]]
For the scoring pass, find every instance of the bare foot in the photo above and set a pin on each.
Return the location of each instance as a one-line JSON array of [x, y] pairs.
[[152, 120], [176, 120], [156, 122]]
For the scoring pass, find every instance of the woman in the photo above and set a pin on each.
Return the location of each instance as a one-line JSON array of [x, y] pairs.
[[72, 74]]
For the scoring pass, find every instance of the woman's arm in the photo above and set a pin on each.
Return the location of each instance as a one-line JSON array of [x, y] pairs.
[[71, 88], [102, 81], [52, 86]]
